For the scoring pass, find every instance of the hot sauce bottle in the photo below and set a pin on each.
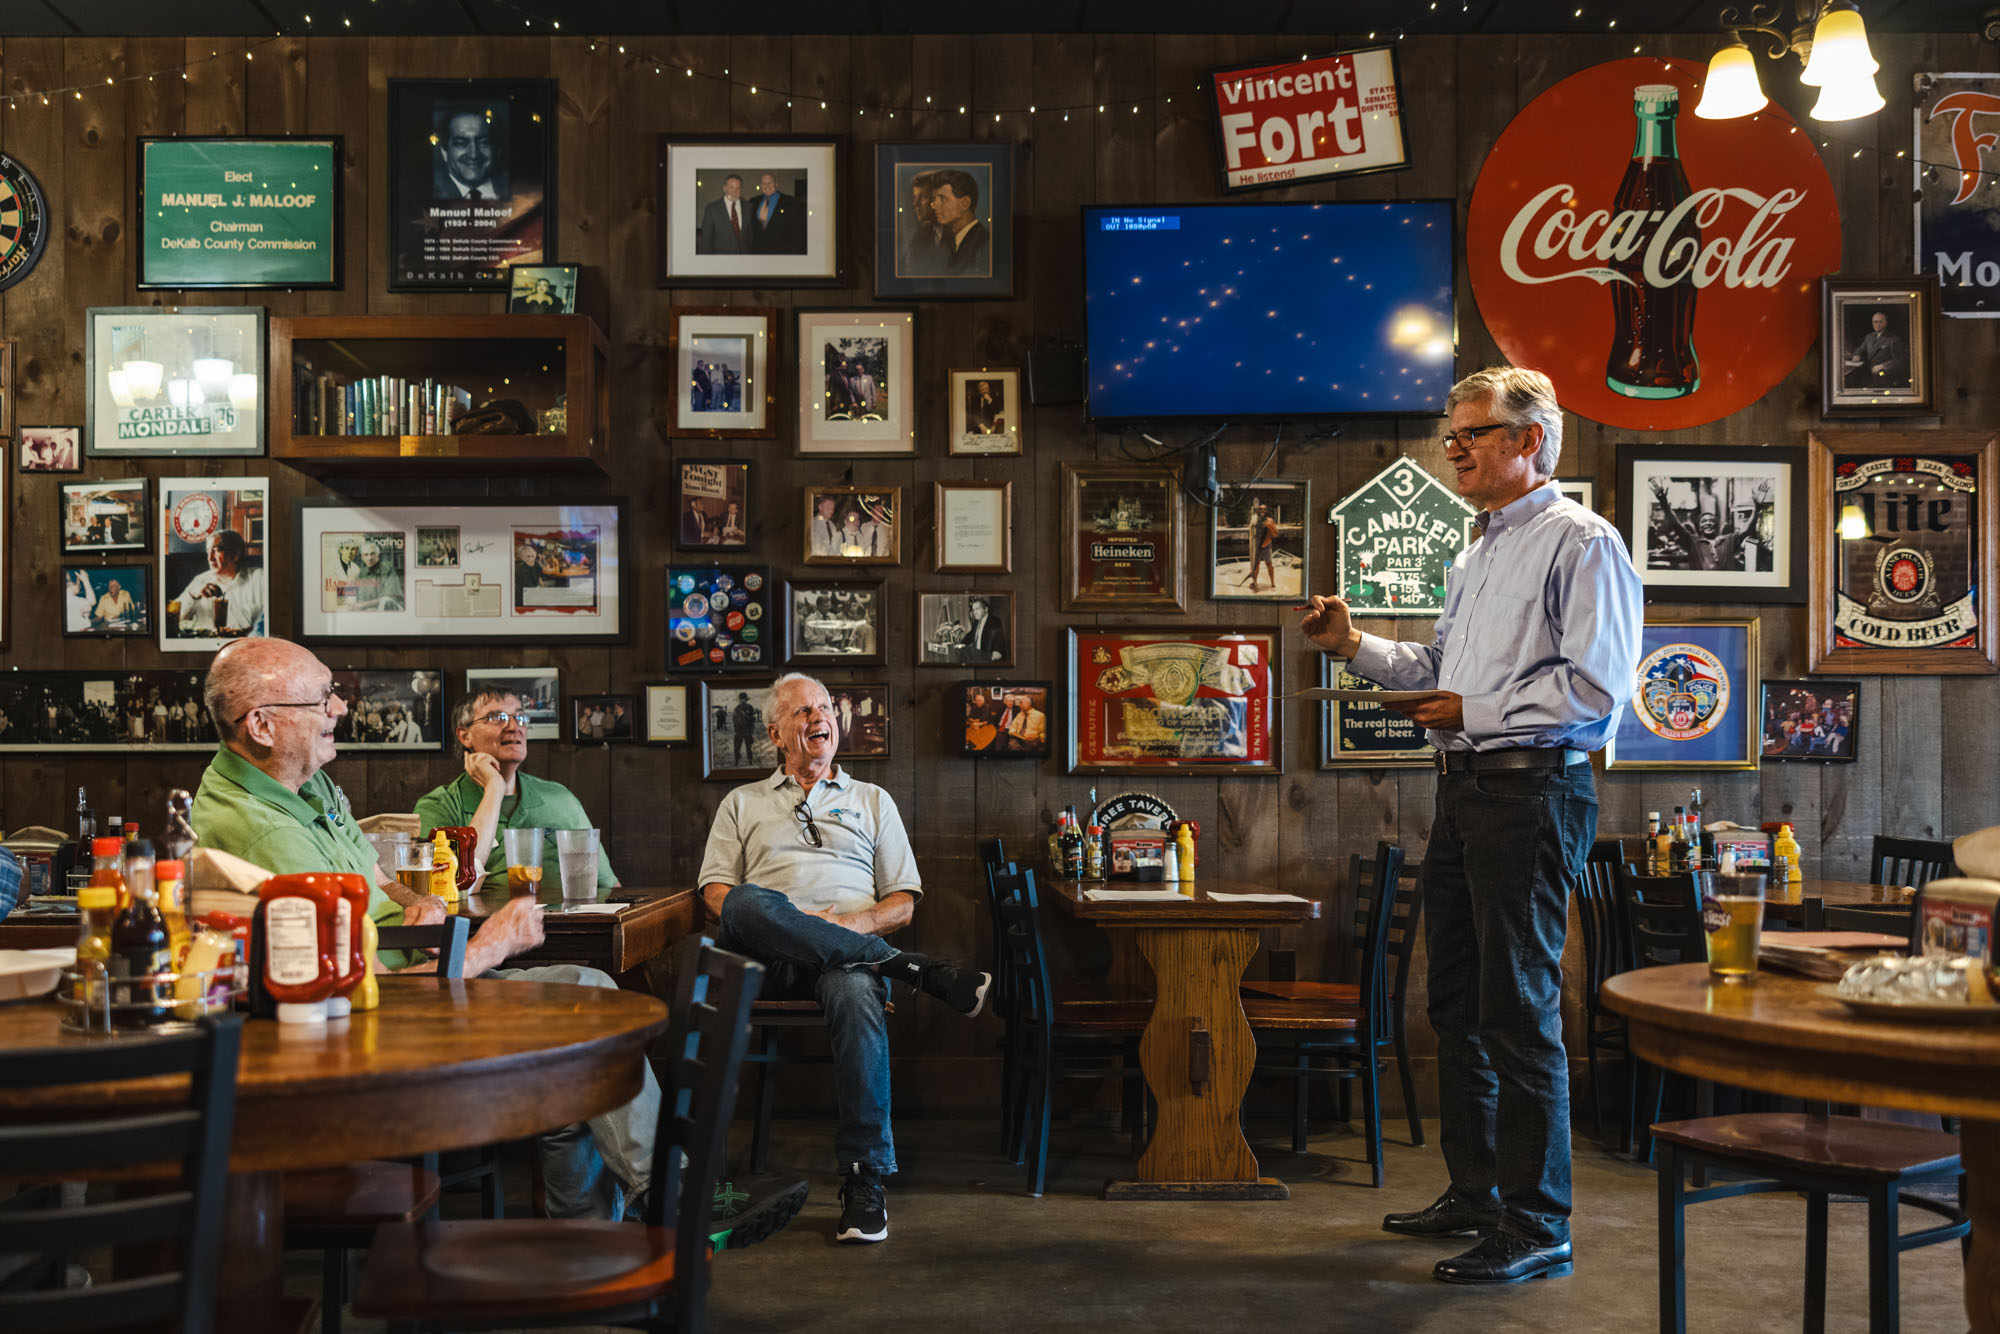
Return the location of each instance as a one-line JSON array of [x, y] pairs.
[[106, 871], [294, 927]]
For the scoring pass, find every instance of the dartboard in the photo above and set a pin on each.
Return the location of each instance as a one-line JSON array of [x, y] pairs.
[[24, 221]]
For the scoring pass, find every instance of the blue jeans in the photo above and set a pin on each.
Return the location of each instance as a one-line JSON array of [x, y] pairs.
[[810, 958], [591, 1168], [1505, 850]]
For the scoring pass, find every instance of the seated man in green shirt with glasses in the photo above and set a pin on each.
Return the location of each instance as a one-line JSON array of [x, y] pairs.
[[493, 794]]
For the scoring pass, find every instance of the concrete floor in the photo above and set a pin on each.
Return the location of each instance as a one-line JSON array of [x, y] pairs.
[[967, 1251]]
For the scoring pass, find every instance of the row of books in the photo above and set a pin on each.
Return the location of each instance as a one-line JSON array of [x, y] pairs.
[[379, 405]]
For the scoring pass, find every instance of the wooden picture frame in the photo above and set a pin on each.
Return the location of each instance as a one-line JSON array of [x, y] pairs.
[[921, 255], [1165, 700], [1360, 735], [603, 719], [864, 526], [855, 384], [862, 709], [286, 190], [50, 449], [800, 246], [89, 711], [1695, 700], [1234, 537], [1714, 523], [1879, 346], [987, 412], [666, 717], [504, 132], [91, 589], [719, 618], [120, 509], [538, 688], [974, 528], [736, 746], [199, 608], [382, 701], [997, 719], [712, 508], [1817, 721], [950, 635], [740, 342], [1858, 619], [836, 622], [1124, 540]]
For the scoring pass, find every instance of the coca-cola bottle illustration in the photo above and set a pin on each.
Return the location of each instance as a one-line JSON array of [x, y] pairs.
[[1652, 328]]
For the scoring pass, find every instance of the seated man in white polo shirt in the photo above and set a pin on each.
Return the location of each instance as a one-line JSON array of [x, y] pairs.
[[806, 871]]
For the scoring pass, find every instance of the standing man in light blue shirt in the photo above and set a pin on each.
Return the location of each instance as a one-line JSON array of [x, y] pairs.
[[1531, 661]]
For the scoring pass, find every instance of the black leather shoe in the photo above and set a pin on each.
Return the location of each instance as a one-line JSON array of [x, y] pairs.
[[1506, 1258], [1450, 1215]]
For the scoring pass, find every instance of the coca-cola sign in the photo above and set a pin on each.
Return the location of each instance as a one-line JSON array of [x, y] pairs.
[[1662, 270]]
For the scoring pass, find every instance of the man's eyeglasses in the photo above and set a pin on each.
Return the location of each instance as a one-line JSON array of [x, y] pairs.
[[324, 703], [803, 814], [499, 719], [1464, 438]]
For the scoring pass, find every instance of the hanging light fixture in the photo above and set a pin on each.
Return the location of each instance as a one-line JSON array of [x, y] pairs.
[[1853, 523], [1828, 37], [121, 391], [212, 374], [143, 378]]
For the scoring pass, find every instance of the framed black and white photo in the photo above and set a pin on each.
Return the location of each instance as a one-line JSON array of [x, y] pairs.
[[50, 449], [104, 518], [391, 708], [1258, 535], [747, 210], [1001, 720], [214, 552], [1811, 720], [735, 741], [853, 525], [538, 688], [986, 411], [835, 622], [1583, 490], [603, 718], [975, 527], [712, 502], [965, 628], [667, 714], [472, 172], [542, 289], [862, 714], [164, 381], [1878, 346], [1714, 523], [123, 709], [722, 380], [944, 219], [854, 388], [107, 600]]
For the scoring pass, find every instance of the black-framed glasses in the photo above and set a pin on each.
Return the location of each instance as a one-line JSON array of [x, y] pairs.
[[803, 814], [324, 703], [499, 719], [1463, 438]]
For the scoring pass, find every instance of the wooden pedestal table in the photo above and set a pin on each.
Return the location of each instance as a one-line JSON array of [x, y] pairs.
[[1789, 1035], [1198, 1049], [646, 923], [441, 1065]]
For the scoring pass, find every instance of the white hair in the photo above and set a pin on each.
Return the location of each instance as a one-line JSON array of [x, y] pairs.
[[1520, 397], [777, 688]]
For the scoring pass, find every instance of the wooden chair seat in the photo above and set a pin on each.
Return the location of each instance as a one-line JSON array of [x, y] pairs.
[[1849, 1145], [1301, 1015], [523, 1269], [1342, 993], [1102, 1016], [359, 1195]]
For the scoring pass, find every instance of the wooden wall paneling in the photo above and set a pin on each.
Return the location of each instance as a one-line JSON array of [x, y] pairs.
[[1911, 794], [216, 81], [338, 100], [1969, 717], [1851, 798]]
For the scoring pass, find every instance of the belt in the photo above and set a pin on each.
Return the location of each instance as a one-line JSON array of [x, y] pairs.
[[1536, 757]]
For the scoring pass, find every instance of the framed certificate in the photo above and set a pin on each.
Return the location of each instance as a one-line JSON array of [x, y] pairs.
[[975, 528], [1183, 700]]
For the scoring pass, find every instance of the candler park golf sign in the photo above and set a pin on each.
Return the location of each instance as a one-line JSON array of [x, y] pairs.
[[1394, 540]]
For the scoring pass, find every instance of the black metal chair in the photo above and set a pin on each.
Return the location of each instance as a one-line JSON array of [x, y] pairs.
[[193, 1136], [567, 1272], [1663, 926], [993, 863], [1606, 953], [1908, 861]]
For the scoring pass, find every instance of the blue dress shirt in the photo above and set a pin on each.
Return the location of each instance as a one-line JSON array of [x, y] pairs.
[[1540, 631]]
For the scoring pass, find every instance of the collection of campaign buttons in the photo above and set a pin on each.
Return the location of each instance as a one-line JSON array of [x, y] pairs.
[[713, 615]]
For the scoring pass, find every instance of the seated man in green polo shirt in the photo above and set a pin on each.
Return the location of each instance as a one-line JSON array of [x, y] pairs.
[[493, 794]]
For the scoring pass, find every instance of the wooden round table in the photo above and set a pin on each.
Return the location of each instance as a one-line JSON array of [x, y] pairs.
[[1790, 1036], [441, 1065]]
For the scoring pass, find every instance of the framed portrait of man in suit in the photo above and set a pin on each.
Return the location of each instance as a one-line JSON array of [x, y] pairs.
[[1878, 346], [751, 210], [959, 627], [944, 220], [471, 181]]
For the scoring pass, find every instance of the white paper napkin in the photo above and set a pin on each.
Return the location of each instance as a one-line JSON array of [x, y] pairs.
[[1136, 896], [1259, 898]]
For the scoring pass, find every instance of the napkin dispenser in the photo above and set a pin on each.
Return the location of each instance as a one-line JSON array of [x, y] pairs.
[[1955, 917]]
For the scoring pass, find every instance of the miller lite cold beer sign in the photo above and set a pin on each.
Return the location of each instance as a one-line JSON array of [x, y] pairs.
[[1662, 270], [1303, 120]]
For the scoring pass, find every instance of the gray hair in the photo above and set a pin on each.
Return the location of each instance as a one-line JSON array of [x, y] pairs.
[[470, 705], [777, 686], [1520, 397]]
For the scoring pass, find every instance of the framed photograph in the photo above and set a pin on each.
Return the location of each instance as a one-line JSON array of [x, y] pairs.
[[1258, 535], [1811, 720], [975, 527], [1878, 346], [1001, 720], [472, 173], [51, 449], [1583, 490], [538, 688], [497, 571], [735, 740], [1122, 538], [240, 211], [1357, 734], [6, 552], [853, 525], [712, 497], [542, 289], [863, 714], [214, 546], [1904, 530], [719, 619], [854, 388], [161, 381], [121, 709], [961, 627], [1714, 523], [603, 718], [723, 385], [1694, 699], [835, 623], [100, 518], [8, 350], [391, 708], [986, 411], [748, 210], [1186, 700], [107, 600], [1394, 539], [944, 220], [667, 714]]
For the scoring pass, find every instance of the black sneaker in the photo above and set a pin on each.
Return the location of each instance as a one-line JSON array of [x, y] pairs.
[[864, 1207], [962, 989], [748, 1212]]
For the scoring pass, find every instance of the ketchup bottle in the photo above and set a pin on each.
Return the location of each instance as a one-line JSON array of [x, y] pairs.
[[293, 939], [349, 957]]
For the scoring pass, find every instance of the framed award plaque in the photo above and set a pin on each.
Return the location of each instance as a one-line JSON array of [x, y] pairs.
[[1694, 702], [1179, 700], [1903, 538], [1122, 538]]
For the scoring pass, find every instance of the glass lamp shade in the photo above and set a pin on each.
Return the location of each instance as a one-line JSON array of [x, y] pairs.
[[121, 391], [1848, 98], [212, 374], [177, 392], [1732, 89], [1853, 523], [1839, 49], [143, 378], [243, 392]]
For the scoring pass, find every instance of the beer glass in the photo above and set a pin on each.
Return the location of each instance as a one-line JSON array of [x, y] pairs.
[[1733, 914], [414, 864], [576, 859], [524, 859]]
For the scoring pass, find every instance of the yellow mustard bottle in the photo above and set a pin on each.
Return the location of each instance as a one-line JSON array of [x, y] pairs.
[[368, 995], [444, 873], [1787, 846], [1184, 849]]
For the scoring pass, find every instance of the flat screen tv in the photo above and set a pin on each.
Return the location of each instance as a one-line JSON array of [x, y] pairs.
[[1233, 312]]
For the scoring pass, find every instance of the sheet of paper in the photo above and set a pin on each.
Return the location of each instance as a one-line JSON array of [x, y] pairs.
[[1259, 898], [1136, 896], [1357, 696], [587, 907]]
